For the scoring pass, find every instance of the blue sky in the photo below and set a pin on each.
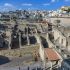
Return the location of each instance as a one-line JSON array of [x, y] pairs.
[[33, 4]]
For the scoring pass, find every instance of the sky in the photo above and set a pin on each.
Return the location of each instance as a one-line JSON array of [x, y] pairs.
[[32, 4]]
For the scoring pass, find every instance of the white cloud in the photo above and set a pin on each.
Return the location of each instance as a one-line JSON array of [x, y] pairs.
[[26, 4], [52, 1], [8, 4], [46, 4], [7, 7], [67, 0]]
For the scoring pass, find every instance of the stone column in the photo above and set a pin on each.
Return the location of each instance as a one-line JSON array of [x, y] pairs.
[[36, 31], [20, 40], [51, 65], [9, 41], [28, 41], [28, 38]]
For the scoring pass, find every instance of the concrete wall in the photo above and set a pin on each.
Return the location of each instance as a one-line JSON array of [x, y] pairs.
[[63, 21], [68, 48], [58, 36], [41, 49]]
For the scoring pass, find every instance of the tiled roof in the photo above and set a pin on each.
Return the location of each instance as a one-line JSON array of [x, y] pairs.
[[51, 54]]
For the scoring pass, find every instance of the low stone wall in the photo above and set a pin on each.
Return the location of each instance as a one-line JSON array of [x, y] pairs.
[[20, 52]]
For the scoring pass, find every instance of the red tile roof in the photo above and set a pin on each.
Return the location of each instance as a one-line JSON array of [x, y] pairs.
[[51, 54]]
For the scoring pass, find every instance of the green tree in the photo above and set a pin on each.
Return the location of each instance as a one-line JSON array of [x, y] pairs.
[[68, 10]]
